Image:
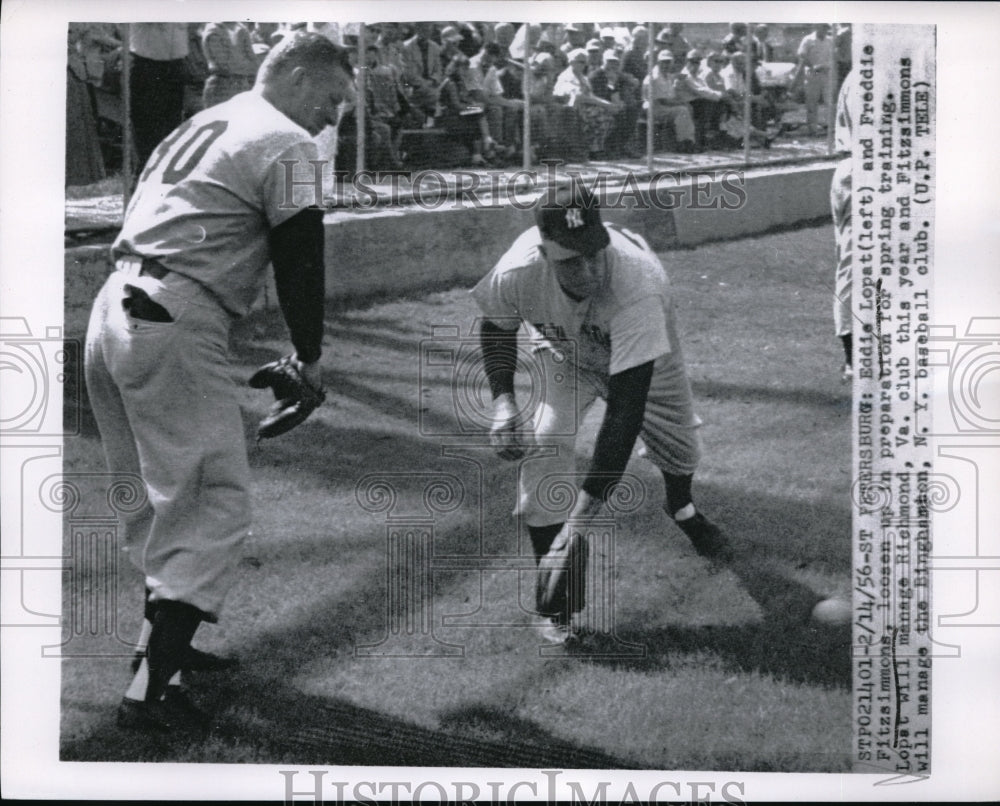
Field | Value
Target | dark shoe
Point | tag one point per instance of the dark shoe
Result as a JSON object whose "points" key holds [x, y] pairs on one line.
{"points": [[195, 661], [175, 712], [706, 537]]}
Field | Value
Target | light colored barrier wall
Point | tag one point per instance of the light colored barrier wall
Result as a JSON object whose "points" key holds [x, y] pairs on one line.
{"points": [[392, 252], [399, 251]]}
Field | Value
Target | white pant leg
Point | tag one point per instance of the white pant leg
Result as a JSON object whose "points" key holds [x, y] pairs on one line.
{"points": [[543, 497], [840, 202], [815, 92], [162, 392]]}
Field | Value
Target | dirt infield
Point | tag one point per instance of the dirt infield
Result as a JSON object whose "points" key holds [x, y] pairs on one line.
{"points": [[705, 668]]}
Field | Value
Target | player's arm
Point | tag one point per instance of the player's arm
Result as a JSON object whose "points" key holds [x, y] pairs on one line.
{"points": [[626, 407], [296, 246], [499, 350]]}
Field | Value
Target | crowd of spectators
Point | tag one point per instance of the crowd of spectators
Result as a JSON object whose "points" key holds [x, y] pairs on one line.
{"points": [[589, 88]]}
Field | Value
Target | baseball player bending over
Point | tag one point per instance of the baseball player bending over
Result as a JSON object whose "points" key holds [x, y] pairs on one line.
{"points": [[209, 213], [599, 297]]}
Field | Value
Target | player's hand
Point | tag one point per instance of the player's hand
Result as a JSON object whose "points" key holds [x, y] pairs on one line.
{"points": [[507, 429], [313, 372]]}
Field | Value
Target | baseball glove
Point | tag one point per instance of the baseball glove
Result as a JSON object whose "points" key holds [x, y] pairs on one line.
{"points": [[295, 397], [562, 575]]}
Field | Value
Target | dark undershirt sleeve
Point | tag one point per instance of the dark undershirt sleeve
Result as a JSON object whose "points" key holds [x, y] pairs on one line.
{"points": [[499, 349], [627, 391], [299, 274]]}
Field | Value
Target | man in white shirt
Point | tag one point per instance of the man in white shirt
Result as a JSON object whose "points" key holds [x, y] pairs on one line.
{"points": [[815, 63], [660, 88], [598, 308]]}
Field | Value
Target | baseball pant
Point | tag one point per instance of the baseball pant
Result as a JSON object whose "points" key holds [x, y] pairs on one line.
{"points": [[167, 410], [669, 431], [840, 202]]}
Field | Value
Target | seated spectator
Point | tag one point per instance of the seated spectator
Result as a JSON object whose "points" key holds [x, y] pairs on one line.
{"points": [[762, 108], [609, 42], [659, 88], [422, 70], [543, 106], [672, 40], [458, 112], [546, 44], [711, 72], [736, 41], [733, 124], [596, 114], [485, 83], [450, 39], [635, 59], [595, 55], [232, 63], [511, 75], [761, 45], [707, 104], [503, 35], [611, 84], [576, 38], [471, 42], [385, 102]]}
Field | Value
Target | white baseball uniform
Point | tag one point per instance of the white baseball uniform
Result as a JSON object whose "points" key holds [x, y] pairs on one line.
{"points": [[627, 322]]}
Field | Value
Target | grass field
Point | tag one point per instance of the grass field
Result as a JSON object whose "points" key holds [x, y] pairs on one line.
{"points": [[707, 668]]}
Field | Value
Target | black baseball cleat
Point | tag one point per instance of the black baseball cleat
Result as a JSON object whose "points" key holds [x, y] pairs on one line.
{"points": [[706, 537], [195, 660], [174, 712]]}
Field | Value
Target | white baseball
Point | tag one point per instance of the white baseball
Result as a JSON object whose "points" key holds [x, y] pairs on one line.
{"points": [[833, 612]]}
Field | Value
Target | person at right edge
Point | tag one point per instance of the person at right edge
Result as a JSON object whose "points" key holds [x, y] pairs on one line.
{"points": [[598, 306], [840, 202]]}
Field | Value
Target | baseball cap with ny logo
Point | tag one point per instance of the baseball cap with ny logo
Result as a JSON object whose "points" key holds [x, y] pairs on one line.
{"points": [[569, 221]]}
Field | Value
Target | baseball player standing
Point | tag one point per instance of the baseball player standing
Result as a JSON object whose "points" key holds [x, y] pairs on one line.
{"points": [[840, 202], [210, 212], [599, 296]]}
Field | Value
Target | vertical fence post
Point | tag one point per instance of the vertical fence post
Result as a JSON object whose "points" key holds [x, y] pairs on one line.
{"points": [[650, 63], [831, 90], [360, 101], [749, 73], [126, 116], [526, 94]]}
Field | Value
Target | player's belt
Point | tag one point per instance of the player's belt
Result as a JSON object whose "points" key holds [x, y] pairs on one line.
{"points": [[137, 266], [842, 155]]}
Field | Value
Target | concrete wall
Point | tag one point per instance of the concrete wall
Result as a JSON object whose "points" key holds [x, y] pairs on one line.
{"points": [[392, 252], [411, 249]]}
